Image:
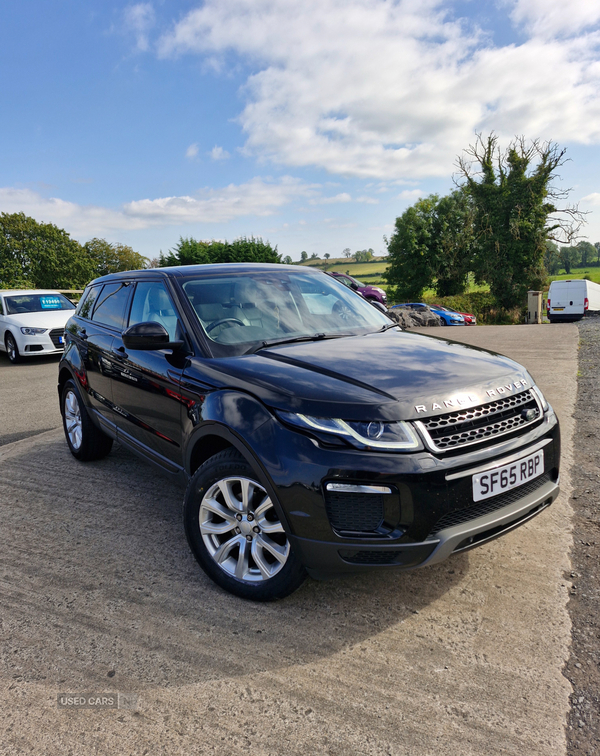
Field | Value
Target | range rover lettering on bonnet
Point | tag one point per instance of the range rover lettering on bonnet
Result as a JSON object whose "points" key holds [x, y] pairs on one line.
{"points": [[463, 400]]}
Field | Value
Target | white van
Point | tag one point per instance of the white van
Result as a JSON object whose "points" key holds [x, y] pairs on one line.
{"points": [[571, 299]]}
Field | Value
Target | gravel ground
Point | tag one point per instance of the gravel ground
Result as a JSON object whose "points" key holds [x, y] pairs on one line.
{"points": [[583, 667], [100, 594]]}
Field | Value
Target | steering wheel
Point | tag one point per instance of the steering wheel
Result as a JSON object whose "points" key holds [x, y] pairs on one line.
{"points": [[231, 321], [342, 310]]}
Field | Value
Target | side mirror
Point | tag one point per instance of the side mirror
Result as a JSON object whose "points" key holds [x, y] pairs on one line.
{"points": [[353, 285], [147, 336], [378, 305]]}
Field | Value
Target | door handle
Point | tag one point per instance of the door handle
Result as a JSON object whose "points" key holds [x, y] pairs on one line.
{"points": [[120, 353], [82, 334]]}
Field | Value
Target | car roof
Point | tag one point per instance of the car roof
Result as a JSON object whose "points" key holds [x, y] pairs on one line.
{"points": [[20, 292], [179, 271]]}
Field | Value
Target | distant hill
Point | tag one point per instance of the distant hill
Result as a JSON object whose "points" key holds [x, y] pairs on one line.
{"points": [[371, 272]]}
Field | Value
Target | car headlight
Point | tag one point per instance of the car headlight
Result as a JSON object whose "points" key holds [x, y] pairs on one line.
{"points": [[33, 331], [541, 397], [397, 436]]}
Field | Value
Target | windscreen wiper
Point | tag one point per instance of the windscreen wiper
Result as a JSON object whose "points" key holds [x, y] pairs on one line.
{"points": [[295, 340], [387, 327]]}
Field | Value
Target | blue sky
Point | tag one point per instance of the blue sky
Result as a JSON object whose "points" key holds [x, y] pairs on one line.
{"points": [[313, 124]]}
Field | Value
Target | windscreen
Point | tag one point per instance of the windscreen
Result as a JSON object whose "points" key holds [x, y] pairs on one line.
{"points": [[242, 310], [37, 303]]}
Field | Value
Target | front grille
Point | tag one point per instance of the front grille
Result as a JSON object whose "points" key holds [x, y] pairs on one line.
{"points": [[476, 424], [356, 512], [487, 506], [55, 335]]}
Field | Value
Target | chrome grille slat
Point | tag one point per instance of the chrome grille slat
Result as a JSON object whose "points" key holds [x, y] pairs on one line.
{"points": [[476, 424], [483, 410]]}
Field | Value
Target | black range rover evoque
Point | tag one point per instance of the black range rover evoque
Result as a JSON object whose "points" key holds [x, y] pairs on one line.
{"points": [[315, 436]]}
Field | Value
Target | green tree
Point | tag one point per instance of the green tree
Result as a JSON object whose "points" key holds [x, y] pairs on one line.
{"points": [[597, 248], [287, 260], [552, 258], [586, 252], [515, 213], [327, 255], [40, 255], [431, 247], [303, 256], [364, 255], [410, 269], [569, 257], [452, 243], [113, 258], [347, 252], [193, 252]]}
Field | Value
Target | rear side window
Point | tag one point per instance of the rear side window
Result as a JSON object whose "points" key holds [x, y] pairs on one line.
{"points": [[86, 303], [1, 308], [110, 305]]}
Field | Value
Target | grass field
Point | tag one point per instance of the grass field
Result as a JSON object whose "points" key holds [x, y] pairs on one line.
{"points": [[592, 272], [371, 273]]}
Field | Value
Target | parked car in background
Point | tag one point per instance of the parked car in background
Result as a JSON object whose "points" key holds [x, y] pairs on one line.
{"points": [[446, 318], [368, 291], [32, 322], [449, 317], [468, 317]]}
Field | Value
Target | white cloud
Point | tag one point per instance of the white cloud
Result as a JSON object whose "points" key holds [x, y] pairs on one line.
{"points": [[374, 88], [412, 195], [592, 199], [258, 198], [343, 197], [368, 200], [139, 19], [556, 18], [192, 151], [218, 153]]}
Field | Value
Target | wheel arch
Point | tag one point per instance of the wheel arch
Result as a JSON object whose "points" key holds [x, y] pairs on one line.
{"points": [[64, 374], [215, 437]]}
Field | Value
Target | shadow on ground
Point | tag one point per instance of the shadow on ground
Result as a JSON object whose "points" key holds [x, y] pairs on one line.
{"points": [[97, 579]]}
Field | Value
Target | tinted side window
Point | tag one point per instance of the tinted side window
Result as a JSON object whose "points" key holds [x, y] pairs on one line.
{"points": [[1, 308], [110, 305], [151, 302], [86, 303]]}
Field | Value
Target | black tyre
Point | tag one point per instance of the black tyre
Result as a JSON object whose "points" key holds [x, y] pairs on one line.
{"points": [[234, 532], [12, 350], [85, 441]]}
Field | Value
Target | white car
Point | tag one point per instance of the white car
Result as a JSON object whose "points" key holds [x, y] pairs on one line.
{"points": [[32, 322]]}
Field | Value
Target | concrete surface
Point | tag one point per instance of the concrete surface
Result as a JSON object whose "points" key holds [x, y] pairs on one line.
{"points": [[101, 596], [28, 398]]}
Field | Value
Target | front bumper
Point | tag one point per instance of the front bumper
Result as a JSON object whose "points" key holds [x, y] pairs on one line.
{"points": [[39, 344], [433, 514]]}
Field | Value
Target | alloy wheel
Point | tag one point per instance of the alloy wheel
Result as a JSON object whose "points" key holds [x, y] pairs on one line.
{"points": [[241, 530], [73, 422], [11, 348]]}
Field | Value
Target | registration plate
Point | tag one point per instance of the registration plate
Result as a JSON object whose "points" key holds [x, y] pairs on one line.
{"points": [[501, 479], [558, 309], [61, 339]]}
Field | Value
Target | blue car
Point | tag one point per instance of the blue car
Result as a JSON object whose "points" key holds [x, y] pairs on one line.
{"points": [[448, 318]]}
